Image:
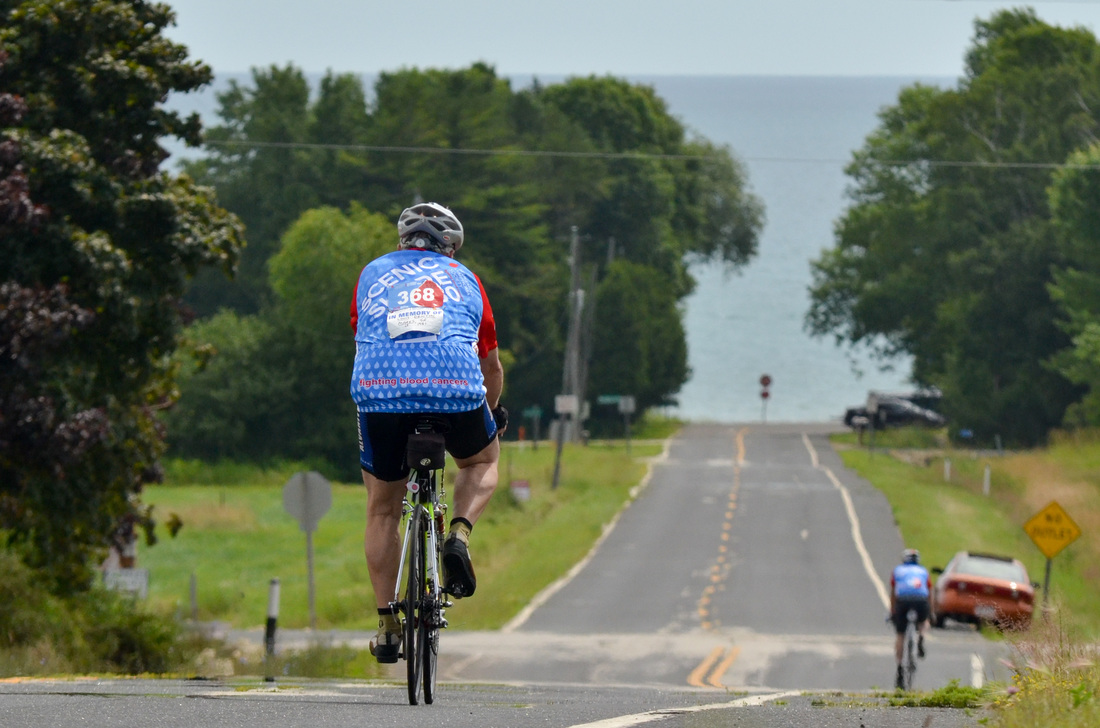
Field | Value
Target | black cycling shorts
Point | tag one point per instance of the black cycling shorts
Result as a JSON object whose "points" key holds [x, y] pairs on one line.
{"points": [[382, 438], [901, 612]]}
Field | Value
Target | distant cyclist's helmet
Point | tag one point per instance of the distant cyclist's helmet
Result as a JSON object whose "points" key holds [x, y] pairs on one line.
{"points": [[910, 556], [432, 221]]}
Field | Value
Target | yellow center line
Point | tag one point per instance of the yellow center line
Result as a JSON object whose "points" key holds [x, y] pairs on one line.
{"points": [[695, 679], [715, 678], [720, 569]]}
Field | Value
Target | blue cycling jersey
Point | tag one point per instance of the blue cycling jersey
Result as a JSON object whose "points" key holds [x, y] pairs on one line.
{"points": [[416, 335], [910, 581]]}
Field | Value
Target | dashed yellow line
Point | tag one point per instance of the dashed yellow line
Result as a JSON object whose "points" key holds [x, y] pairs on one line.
{"points": [[713, 668], [699, 673], [721, 567], [719, 672]]}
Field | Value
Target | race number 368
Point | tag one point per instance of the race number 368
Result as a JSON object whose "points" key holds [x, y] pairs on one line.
{"points": [[427, 294]]}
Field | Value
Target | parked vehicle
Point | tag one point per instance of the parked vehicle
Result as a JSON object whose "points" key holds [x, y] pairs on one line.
{"points": [[983, 588], [897, 409]]}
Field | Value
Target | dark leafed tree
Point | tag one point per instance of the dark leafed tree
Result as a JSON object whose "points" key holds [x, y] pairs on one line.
{"points": [[520, 169], [947, 250], [96, 245], [1075, 206]]}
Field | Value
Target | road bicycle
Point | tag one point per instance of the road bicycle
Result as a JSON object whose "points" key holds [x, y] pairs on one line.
{"points": [[424, 602], [909, 651]]}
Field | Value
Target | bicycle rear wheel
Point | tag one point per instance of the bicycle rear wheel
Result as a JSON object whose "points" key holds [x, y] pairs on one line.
{"points": [[414, 599], [429, 647], [909, 659]]}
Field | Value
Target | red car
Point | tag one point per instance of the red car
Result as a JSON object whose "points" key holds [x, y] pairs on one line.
{"points": [[979, 588]]}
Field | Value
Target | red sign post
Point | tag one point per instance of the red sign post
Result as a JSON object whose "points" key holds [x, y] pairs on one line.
{"points": [[765, 382]]}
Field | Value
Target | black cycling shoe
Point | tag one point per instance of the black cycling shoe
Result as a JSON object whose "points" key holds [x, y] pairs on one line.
{"points": [[899, 683], [386, 647], [458, 573], [920, 647]]}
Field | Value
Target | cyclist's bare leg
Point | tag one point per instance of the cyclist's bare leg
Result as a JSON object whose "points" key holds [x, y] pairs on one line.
{"points": [[899, 643], [475, 482], [382, 541]]}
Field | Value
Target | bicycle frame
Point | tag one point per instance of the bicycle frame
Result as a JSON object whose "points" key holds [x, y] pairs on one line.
{"points": [[423, 497], [419, 570]]}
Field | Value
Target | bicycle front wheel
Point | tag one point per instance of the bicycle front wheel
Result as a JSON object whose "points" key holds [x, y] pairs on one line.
{"points": [[414, 600]]}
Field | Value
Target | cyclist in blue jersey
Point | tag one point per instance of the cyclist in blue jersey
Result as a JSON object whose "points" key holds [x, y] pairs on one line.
{"points": [[425, 342], [909, 590]]}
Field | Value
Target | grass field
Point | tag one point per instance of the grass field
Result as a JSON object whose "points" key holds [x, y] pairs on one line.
{"points": [[941, 516], [236, 537], [1057, 664]]}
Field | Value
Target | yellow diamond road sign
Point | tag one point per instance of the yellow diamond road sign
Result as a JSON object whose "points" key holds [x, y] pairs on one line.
{"points": [[1052, 529]]}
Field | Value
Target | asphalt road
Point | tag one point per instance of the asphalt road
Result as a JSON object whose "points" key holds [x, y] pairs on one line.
{"points": [[751, 566], [751, 560]]}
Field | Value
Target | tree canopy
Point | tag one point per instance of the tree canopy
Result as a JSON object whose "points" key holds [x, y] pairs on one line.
{"points": [[274, 384], [1075, 206], [947, 249], [521, 169], [96, 246]]}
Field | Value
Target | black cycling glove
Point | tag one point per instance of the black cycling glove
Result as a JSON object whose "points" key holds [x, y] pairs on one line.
{"points": [[500, 416]]}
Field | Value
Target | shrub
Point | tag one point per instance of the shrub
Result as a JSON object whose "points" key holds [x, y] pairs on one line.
{"points": [[95, 631]]}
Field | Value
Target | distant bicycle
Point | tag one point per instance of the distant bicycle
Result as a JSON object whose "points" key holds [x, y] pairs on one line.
{"points": [[424, 603], [909, 652]]}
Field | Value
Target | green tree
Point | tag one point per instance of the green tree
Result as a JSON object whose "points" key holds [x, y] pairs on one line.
{"points": [[647, 355], [274, 385], [96, 245], [616, 165], [1075, 206], [262, 172], [946, 251], [675, 197]]}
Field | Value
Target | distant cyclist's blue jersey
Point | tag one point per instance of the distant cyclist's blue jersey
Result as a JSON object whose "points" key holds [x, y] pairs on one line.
{"points": [[910, 581], [417, 316]]}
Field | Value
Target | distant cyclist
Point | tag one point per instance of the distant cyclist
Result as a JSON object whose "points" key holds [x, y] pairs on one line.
{"points": [[425, 342], [909, 590]]}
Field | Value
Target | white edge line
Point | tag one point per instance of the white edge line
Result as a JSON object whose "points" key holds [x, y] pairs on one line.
{"points": [[977, 670], [653, 715], [857, 535], [543, 596]]}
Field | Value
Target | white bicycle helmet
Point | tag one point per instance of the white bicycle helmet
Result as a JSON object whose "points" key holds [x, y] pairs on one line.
{"points": [[436, 221], [910, 556]]}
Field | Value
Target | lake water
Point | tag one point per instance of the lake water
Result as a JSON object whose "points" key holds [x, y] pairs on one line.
{"points": [[795, 135]]}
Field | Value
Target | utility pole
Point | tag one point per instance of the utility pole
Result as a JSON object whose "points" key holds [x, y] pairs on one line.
{"points": [[571, 371]]}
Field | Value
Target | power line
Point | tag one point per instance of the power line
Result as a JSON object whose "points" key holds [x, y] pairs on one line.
{"points": [[452, 150], [635, 155]]}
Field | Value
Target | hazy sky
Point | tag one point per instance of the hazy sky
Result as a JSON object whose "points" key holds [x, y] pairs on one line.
{"points": [[581, 37]]}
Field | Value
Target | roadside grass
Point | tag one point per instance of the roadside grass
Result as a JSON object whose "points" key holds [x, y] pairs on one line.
{"points": [[940, 516], [951, 695], [1057, 662], [236, 537]]}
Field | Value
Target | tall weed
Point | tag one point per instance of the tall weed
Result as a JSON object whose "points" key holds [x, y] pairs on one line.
{"points": [[1056, 679]]}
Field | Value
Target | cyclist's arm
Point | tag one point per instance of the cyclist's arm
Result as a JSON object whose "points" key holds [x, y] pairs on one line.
{"points": [[354, 309], [493, 372], [491, 367]]}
